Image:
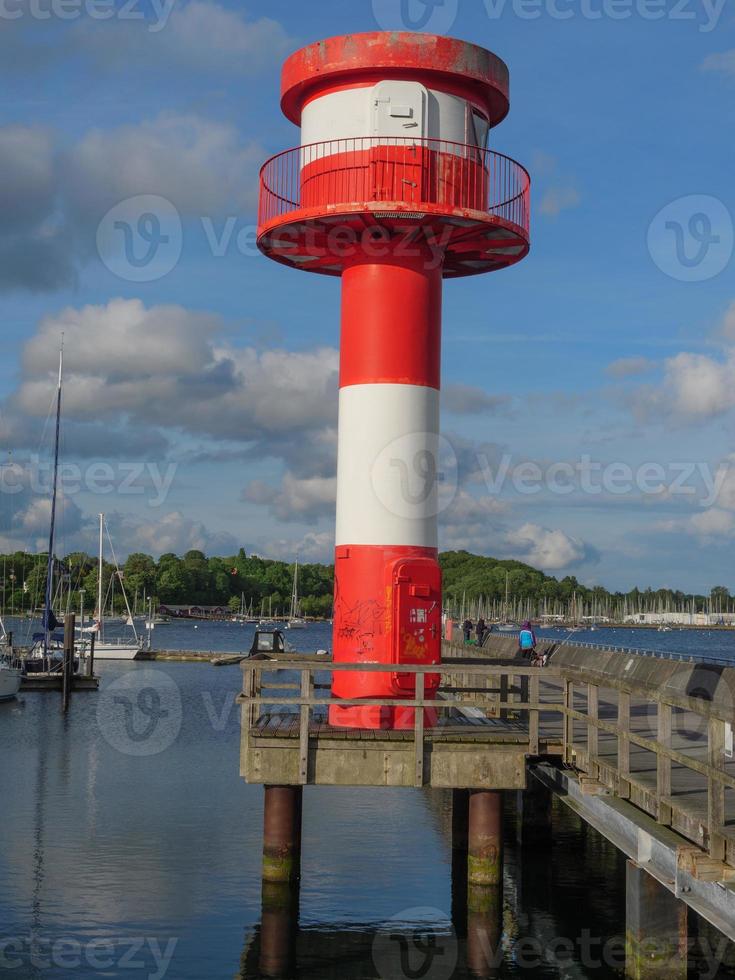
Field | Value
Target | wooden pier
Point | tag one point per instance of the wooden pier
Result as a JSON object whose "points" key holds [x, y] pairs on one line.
{"points": [[640, 747]]}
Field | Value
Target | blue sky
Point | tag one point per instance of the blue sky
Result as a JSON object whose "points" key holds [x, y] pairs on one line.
{"points": [[597, 378]]}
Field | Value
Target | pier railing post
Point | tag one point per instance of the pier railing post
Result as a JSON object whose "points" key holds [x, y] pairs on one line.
{"points": [[663, 763], [306, 691], [623, 745], [534, 716], [716, 789], [419, 730], [568, 720], [593, 713]]}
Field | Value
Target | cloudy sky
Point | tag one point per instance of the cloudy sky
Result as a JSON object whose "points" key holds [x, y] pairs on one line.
{"points": [[589, 392]]}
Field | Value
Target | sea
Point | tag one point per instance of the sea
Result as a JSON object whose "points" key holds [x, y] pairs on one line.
{"points": [[130, 847]]}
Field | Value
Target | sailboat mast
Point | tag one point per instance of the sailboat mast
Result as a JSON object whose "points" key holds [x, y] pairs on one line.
{"points": [[100, 612], [47, 614]]}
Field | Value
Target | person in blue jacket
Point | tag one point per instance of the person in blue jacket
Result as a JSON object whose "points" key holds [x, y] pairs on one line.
{"points": [[527, 641]]}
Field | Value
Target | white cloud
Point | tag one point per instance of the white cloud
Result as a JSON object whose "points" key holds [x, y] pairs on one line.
{"points": [[723, 61], [545, 548], [314, 546], [199, 37], [628, 367], [695, 387], [295, 499], [461, 399], [712, 523], [164, 366], [558, 199], [174, 532], [202, 166]]}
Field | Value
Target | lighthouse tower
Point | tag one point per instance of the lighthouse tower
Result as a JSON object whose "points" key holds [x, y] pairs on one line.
{"points": [[393, 189]]}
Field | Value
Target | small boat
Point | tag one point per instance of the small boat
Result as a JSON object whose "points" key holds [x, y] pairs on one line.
{"points": [[115, 649], [10, 678], [508, 628], [152, 622]]}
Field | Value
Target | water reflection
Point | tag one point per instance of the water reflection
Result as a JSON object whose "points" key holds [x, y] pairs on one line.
{"points": [[158, 859], [562, 915]]}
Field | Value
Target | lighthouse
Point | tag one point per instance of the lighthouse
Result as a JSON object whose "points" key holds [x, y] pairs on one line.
{"points": [[393, 188]]}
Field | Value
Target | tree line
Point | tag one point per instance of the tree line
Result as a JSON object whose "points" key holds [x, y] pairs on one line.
{"points": [[195, 579]]}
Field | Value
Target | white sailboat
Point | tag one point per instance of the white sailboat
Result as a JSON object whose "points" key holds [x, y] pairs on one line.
{"points": [[295, 621], [10, 676], [111, 649]]}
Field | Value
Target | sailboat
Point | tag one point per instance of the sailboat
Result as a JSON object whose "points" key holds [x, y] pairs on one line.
{"points": [[46, 653], [506, 626], [295, 621], [107, 649], [10, 674]]}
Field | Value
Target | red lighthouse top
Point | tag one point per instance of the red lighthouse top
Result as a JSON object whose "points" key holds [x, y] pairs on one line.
{"points": [[394, 133], [470, 71]]}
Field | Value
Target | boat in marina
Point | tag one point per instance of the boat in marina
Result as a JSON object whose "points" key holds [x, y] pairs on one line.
{"points": [[119, 648], [10, 679], [295, 621]]}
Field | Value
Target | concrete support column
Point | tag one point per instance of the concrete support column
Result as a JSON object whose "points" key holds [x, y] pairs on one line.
{"points": [[533, 814], [282, 833], [656, 933], [485, 838]]}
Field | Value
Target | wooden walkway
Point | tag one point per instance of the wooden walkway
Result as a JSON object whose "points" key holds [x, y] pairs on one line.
{"points": [[656, 733]]}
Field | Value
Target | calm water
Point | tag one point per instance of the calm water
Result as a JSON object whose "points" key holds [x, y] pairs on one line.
{"points": [[130, 847]]}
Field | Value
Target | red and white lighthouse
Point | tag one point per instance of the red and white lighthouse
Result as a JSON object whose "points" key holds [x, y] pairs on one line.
{"points": [[393, 188]]}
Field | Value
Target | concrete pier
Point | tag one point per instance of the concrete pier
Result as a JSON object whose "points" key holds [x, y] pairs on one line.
{"points": [[656, 938], [282, 834]]}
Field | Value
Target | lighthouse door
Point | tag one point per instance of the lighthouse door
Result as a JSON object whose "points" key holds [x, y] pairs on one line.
{"points": [[399, 109], [398, 159], [416, 586]]}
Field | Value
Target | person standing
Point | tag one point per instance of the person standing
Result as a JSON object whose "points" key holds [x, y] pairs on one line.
{"points": [[527, 641], [481, 630], [467, 629]]}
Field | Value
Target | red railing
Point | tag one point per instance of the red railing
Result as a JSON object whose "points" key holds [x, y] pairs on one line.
{"points": [[431, 175]]}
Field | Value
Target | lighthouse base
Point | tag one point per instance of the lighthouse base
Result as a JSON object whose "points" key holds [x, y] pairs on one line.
{"points": [[387, 718]]}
